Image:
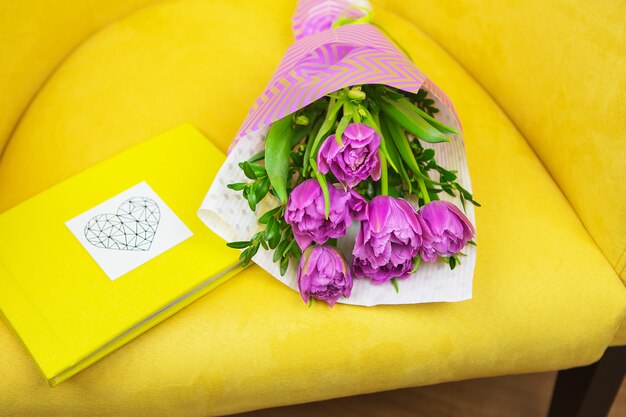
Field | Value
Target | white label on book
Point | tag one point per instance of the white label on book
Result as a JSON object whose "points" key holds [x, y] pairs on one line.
{"points": [[128, 230]]}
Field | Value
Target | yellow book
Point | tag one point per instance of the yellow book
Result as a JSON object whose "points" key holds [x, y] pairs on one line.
{"points": [[98, 259]]}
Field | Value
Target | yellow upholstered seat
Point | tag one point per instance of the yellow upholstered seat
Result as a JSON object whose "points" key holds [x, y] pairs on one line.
{"points": [[545, 296], [559, 72]]}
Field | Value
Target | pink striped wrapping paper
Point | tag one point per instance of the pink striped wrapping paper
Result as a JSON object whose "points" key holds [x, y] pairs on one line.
{"points": [[312, 67], [328, 61]]}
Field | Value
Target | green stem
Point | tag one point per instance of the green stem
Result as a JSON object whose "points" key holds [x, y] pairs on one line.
{"points": [[288, 247], [423, 190], [384, 188], [355, 115], [321, 179], [426, 178], [327, 124], [309, 144]]}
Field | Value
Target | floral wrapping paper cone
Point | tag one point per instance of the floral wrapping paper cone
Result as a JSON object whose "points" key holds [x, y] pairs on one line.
{"points": [[337, 47]]}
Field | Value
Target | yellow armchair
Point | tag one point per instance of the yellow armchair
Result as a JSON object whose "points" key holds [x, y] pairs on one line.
{"points": [[539, 88]]}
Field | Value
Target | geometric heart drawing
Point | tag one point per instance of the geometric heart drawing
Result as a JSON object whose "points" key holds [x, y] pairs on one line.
{"points": [[132, 228]]}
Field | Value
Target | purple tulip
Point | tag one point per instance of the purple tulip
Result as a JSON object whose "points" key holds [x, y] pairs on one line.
{"points": [[306, 212], [388, 240], [446, 230], [324, 274], [356, 160]]}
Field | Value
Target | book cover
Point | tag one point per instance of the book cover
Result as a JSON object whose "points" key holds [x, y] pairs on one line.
{"points": [[98, 259]]}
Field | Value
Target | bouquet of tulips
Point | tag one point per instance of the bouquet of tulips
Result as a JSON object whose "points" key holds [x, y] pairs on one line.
{"points": [[355, 155], [359, 157]]}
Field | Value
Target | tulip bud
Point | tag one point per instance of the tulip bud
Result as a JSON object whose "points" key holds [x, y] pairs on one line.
{"points": [[302, 120], [305, 212], [388, 240], [324, 274], [355, 93], [446, 230], [356, 159]]}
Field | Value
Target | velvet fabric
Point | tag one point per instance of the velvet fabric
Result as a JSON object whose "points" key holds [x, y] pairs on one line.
{"points": [[558, 70]]}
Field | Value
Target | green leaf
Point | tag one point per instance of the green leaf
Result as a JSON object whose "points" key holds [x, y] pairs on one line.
{"points": [[252, 197], [258, 170], [265, 217], [402, 143], [392, 152], [247, 170], [275, 239], [246, 255], [416, 264], [295, 251], [395, 192], [393, 93], [426, 155], [443, 128], [299, 133], [277, 148], [238, 186], [310, 303], [253, 250], [269, 229], [453, 261], [412, 122], [446, 176], [394, 282], [284, 264], [287, 249], [239, 245], [467, 195], [262, 189], [278, 253]]}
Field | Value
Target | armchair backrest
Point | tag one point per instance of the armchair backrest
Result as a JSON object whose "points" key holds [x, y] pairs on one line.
{"points": [[35, 36], [558, 70]]}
